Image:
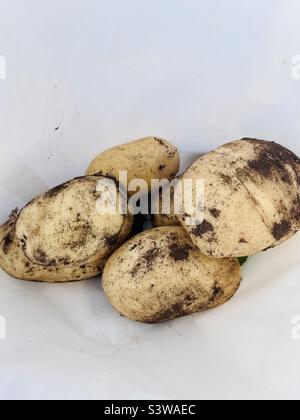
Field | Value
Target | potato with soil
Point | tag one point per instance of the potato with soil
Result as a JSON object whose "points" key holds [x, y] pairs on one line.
{"points": [[61, 236], [160, 275], [147, 159], [252, 198]]}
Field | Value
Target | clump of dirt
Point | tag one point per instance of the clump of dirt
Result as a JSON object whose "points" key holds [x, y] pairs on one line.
{"points": [[280, 230], [179, 253], [203, 229]]}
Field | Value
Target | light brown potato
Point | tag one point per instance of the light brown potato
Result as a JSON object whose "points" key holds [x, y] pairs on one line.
{"points": [[159, 275], [147, 159], [251, 198], [60, 236]]}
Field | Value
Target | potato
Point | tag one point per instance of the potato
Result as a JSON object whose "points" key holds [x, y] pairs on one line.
{"points": [[160, 275], [251, 198], [60, 236], [147, 159]]}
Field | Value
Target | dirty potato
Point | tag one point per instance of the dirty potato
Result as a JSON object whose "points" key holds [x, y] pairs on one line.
{"points": [[146, 159], [251, 198], [160, 275], [61, 236]]}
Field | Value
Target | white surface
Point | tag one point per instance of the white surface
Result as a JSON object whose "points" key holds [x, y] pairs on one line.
{"points": [[199, 73]]}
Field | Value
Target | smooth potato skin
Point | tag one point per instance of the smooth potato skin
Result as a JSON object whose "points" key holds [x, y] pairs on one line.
{"points": [[147, 159], [251, 198], [159, 275], [19, 236]]}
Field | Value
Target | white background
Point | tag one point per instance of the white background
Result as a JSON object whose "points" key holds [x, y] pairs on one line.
{"points": [[199, 73]]}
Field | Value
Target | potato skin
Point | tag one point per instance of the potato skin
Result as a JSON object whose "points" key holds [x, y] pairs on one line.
{"points": [[251, 200], [147, 159], [60, 237], [160, 275]]}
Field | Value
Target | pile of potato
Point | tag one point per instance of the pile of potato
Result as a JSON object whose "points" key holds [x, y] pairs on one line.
{"points": [[252, 203]]}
